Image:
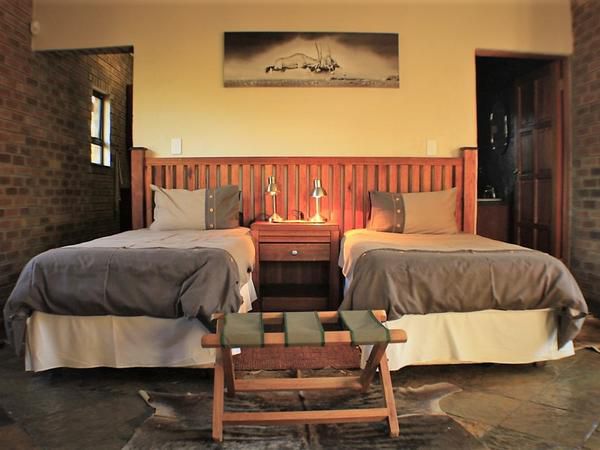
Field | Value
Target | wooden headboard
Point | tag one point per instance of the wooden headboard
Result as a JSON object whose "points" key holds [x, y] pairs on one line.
{"points": [[347, 181]]}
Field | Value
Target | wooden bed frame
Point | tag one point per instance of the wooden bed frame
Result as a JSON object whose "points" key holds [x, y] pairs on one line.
{"points": [[347, 181]]}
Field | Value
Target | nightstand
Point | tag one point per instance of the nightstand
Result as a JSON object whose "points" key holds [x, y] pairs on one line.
{"points": [[296, 266]]}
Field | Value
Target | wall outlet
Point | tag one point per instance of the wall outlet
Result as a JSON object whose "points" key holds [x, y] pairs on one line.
{"points": [[431, 147], [176, 147]]}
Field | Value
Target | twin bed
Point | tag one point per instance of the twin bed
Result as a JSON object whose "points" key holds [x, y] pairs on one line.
{"points": [[136, 340], [461, 298]]}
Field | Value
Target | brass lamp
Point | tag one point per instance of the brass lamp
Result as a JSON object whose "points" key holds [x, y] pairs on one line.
{"points": [[273, 190], [317, 193]]}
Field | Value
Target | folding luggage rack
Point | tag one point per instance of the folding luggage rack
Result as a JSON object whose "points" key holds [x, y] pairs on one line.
{"points": [[301, 329]]}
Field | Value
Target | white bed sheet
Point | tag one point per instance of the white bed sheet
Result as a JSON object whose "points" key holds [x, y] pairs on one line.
{"points": [[120, 342]]}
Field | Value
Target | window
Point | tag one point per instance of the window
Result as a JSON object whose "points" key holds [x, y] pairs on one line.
{"points": [[100, 130]]}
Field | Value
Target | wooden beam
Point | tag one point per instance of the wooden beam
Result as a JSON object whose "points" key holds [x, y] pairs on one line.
{"points": [[377, 352], [469, 189], [227, 363], [278, 339], [292, 417], [218, 398], [388, 395], [138, 156], [276, 318], [489, 53], [297, 384], [307, 160]]}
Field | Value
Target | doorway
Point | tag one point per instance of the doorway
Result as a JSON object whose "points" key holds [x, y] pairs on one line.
{"points": [[521, 139]]}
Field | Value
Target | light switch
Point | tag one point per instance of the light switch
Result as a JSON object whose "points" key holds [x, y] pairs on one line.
{"points": [[176, 147], [431, 147]]}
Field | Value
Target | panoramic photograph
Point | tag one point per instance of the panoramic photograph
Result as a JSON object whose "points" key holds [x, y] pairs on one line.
{"points": [[311, 59]]}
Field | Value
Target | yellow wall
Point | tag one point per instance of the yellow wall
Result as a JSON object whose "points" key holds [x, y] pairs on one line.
{"points": [[178, 84]]}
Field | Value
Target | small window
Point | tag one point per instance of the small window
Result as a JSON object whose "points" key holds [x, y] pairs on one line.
{"points": [[100, 130]]}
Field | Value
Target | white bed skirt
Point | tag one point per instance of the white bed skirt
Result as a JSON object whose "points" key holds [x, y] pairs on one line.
{"points": [[112, 341], [507, 337]]}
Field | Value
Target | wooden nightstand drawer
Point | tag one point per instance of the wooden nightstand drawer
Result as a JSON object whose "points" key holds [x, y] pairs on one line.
{"points": [[294, 252], [286, 236]]}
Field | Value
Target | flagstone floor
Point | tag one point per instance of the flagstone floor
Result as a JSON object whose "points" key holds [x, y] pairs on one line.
{"points": [[504, 407]]}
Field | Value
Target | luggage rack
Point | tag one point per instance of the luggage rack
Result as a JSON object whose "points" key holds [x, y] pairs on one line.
{"points": [[301, 328]]}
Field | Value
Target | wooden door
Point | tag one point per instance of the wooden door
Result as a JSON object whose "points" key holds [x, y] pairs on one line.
{"points": [[538, 203]]}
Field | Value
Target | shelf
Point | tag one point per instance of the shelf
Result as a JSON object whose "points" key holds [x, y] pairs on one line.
{"points": [[294, 304], [294, 297], [294, 290]]}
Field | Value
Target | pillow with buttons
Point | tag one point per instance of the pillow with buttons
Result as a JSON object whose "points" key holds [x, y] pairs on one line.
{"points": [[201, 209], [417, 212]]}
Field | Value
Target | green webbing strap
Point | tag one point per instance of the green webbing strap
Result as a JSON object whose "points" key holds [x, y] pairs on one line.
{"points": [[364, 327], [243, 330], [303, 328]]}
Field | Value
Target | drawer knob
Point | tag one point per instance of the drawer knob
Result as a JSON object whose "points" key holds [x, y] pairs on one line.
{"points": [[294, 252]]}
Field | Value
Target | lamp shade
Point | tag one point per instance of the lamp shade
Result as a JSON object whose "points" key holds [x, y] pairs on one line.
{"points": [[318, 191], [272, 188]]}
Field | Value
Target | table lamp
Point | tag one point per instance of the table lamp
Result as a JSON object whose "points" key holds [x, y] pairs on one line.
{"points": [[317, 193], [273, 190]]}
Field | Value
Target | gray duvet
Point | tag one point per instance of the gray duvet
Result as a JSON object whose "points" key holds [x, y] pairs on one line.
{"points": [[459, 274], [157, 282]]}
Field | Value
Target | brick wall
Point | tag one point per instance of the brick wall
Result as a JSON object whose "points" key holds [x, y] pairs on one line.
{"points": [[50, 194], [585, 226]]}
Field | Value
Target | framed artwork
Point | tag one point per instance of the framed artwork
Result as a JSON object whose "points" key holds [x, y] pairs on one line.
{"points": [[298, 59]]}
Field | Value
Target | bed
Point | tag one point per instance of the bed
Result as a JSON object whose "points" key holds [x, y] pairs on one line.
{"points": [[153, 307], [139, 298], [460, 297]]}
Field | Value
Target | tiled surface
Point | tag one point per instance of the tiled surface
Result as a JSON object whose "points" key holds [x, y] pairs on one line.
{"points": [[482, 407], [593, 442], [5, 418], [15, 438], [499, 407], [552, 424]]}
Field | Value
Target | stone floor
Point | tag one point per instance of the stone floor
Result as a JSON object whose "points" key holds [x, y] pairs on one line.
{"points": [[504, 407]]}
